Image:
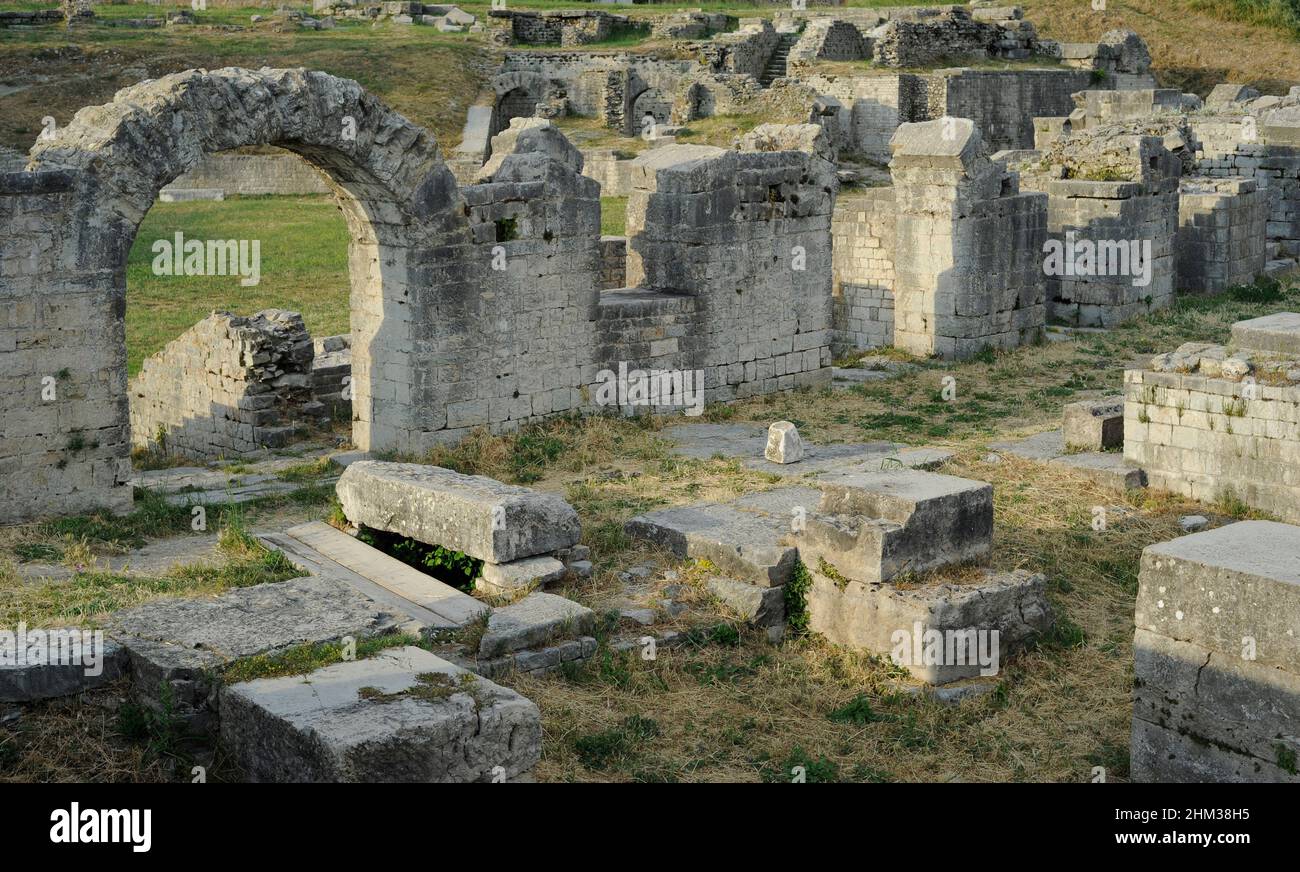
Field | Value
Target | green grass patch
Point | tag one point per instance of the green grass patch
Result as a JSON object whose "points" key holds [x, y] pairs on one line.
{"points": [[302, 659]]}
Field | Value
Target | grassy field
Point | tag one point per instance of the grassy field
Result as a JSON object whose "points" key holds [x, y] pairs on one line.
{"points": [[304, 243]]}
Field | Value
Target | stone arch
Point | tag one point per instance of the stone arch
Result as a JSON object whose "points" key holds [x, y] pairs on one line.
{"points": [[517, 94], [387, 175]]}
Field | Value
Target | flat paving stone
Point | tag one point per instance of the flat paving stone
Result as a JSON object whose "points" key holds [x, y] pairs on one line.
{"points": [[154, 559], [747, 442], [1107, 468], [745, 545], [404, 715]]}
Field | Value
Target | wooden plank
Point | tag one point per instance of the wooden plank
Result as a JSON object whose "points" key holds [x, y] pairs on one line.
{"points": [[405, 581], [310, 560]]}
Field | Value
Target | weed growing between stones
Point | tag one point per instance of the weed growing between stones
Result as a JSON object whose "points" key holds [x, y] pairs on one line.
{"points": [[445, 564]]}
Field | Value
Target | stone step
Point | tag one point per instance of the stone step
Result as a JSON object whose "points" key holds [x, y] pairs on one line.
{"points": [[404, 715], [1106, 468], [388, 572]]}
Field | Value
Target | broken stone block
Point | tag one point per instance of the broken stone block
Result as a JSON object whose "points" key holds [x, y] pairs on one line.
{"points": [[940, 632], [783, 443], [760, 606], [535, 620], [1217, 687], [871, 526], [1094, 425], [42, 664], [501, 578], [479, 516], [402, 716]]}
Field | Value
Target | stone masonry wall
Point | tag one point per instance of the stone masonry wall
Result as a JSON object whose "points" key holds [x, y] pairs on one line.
{"points": [[64, 440], [1221, 241], [1277, 169], [748, 235], [1214, 422], [862, 230], [1216, 689], [227, 387], [253, 174], [967, 249], [471, 306]]}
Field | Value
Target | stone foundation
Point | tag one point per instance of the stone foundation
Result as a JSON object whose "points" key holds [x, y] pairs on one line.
{"points": [[1221, 233]]}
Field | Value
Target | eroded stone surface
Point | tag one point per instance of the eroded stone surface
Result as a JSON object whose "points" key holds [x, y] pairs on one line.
{"points": [[534, 621], [404, 715]]}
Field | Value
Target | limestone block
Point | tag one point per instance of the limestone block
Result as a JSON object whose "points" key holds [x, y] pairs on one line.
{"points": [[402, 716], [28, 671], [1279, 332], [883, 619], [1094, 425], [871, 526], [1217, 587], [482, 517], [760, 606], [535, 620], [783, 443], [501, 578]]}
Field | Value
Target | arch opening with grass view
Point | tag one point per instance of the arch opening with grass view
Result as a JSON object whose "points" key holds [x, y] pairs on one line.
{"points": [[88, 189], [237, 313]]}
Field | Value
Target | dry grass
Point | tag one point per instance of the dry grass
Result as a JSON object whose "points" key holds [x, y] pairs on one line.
{"points": [[1192, 46]]}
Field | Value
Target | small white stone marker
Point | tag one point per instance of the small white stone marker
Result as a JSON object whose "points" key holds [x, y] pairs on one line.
{"points": [[783, 443]]}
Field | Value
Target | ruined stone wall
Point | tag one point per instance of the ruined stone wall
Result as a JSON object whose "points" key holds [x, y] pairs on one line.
{"points": [[254, 174], [748, 234], [641, 330], [470, 306], [64, 443], [950, 34], [611, 168], [1277, 169], [968, 243], [745, 51], [873, 107], [1109, 214], [613, 262], [1207, 422], [561, 27], [862, 230], [1003, 104], [331, 375], [1216, 689], [1221, 233], [827, 39], [227, 387]]}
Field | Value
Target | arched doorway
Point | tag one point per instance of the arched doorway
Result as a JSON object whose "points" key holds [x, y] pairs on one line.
{"points": [[112, 160]]}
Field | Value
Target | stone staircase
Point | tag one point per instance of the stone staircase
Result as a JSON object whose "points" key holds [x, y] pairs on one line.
{"points": [[776, 64]]}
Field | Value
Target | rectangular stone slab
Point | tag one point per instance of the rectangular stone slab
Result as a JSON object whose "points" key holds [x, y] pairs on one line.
{"points": [[476, 515], [535, 620], [1279, 332], [1216, 587], [407, 582], [405, 715]]}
